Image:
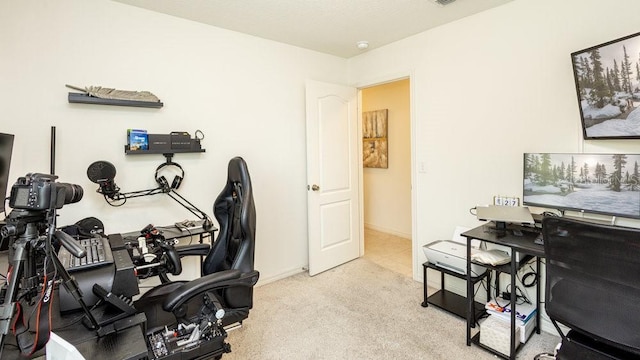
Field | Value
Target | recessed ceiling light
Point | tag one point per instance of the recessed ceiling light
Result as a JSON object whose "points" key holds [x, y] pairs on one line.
{"points": [[443, 2], [362, 45]]}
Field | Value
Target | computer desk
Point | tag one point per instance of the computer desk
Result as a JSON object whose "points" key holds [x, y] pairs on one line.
{"points": [[519, 244], [174, 232], [128, 344]]}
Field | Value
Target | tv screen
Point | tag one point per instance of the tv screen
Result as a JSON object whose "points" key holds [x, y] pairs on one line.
{"points": [[594, 183], [6, 147], [607, 78]]}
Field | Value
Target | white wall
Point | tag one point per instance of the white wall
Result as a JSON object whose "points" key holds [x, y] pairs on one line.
{"points": [[387, 192], [244, 93], [486, 89]]}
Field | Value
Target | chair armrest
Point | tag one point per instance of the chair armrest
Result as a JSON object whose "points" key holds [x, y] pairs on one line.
{"points": [[193, 250], [209, 282]]}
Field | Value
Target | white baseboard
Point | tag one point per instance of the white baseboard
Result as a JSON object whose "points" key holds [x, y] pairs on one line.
{"points": [[388, 231], [282, 275]]}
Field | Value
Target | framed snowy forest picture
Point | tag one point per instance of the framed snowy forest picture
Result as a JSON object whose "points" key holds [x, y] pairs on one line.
{"points": [[607, 78]]}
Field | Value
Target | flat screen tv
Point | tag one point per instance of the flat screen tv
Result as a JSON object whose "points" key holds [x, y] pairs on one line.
{"points": [[592, 183], [607, 78], [6, 147]]}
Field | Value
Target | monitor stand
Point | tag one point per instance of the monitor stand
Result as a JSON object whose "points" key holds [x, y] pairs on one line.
{"points": [[499, 228]]}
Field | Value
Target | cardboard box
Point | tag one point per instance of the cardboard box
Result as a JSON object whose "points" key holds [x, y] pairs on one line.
{"points": [[525, 316], [496, 334], [525, 328], [159, 142]]}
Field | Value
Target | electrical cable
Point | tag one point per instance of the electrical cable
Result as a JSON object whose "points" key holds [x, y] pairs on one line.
{"points": [[113, 203], [532, 282], [519, 294], [551, 214], [181, 226], [487, 286], [71, 322], [75, 320]]}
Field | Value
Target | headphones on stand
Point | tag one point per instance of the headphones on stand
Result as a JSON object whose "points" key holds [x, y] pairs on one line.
{"points": [[163, 182]]}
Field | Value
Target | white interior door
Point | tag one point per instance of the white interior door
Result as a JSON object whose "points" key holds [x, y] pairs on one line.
{"points": [[332, 175]]}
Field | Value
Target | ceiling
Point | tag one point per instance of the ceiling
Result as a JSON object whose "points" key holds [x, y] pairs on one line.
{"points": [[328, 26]]}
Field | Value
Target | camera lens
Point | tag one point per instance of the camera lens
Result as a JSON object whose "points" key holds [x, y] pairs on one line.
{"points": [[72, 193]]}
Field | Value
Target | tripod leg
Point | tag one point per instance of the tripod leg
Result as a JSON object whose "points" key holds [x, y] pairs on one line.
{"points": [[72, 287], [8, 307]]}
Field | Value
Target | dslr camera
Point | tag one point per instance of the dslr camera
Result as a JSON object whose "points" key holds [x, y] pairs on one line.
{"points": [[41, 192]]}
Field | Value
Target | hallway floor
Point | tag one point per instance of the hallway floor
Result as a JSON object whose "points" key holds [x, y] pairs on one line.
{"points": [[389, 251]]}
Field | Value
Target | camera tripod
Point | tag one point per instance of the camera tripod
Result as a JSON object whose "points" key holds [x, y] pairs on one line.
{"points": [[33, 268]]}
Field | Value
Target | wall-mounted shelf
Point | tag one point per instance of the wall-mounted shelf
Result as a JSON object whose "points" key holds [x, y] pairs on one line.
{"points": [[86, 99], [171, 151], [168, 153]]}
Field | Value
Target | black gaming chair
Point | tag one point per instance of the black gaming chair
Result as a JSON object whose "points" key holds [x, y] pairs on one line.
{"points": [[228, 273], [593, 288]]}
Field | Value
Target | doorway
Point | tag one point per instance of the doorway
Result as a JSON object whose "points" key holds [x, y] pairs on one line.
{"points": [[387, 210]]}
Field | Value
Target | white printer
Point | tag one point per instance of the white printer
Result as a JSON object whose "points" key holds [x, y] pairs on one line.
{"points": [[452, 254]]}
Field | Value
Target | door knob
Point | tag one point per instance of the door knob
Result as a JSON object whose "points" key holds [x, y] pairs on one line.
{"points": [[315, 187]]}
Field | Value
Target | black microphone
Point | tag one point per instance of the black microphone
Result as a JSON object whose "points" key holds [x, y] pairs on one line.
{"points": [[103, 173], [108, 188]]}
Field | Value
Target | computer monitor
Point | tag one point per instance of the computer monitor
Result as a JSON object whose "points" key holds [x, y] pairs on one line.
{"points": [[606, 184], [6, 148]]}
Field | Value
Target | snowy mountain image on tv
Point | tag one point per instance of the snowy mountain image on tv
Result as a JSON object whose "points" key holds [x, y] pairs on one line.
{"points": [[594, 183], [607, 80]]}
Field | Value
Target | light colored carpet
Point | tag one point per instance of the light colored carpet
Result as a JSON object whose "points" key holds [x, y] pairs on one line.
{"points": [[356, 311]]}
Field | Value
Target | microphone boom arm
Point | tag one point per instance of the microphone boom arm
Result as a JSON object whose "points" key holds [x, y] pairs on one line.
{"points": [[118, 196], [124, 196], [192, 208], [103, 174], [112, 197]]}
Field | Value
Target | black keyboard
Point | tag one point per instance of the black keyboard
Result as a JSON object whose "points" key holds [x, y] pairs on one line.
{"points": [[98, 254]]}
